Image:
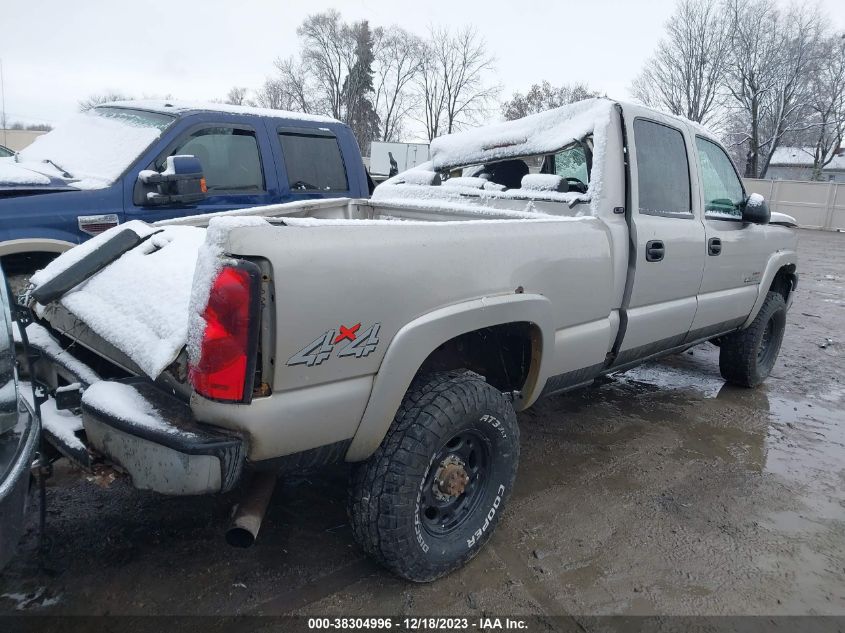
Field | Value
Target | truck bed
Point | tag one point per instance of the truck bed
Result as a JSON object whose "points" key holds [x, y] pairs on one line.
{"points": [[139, 305]]}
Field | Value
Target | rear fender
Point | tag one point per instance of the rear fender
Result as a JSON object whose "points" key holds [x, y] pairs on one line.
{"points": [[416, 340]]}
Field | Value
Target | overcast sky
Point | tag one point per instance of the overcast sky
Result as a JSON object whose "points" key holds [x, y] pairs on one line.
{"points": [[55, 52]]}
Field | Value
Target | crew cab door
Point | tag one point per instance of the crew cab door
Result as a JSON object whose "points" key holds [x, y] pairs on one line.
{"points": [[736, 251], [238, 167], [311, 163], [667, 238]]}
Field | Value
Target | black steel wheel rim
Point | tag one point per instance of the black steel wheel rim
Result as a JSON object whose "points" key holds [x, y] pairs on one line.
{"points": [[441, 513]]}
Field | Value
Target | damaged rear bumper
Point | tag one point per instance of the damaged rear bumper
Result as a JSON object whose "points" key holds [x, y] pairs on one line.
{"points": [[157, 440]]}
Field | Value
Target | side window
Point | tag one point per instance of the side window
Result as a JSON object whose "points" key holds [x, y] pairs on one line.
{"points": [[723, 192], [229, 157], [313, 161], [662, 170], [572, 163]]}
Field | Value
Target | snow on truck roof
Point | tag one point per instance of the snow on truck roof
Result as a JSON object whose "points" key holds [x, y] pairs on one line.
{"points": [[542, 133], [187, 107]]}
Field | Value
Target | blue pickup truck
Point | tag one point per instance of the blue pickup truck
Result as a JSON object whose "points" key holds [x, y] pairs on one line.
{"points": [[155, 160]]}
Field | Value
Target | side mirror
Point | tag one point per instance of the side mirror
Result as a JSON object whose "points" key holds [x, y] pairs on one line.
{"points": [[180, 182], [755, 209]]}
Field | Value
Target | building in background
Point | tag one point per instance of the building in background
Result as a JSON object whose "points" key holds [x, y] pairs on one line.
{"points": [[389, 159], [796, 163], [16, 140]]}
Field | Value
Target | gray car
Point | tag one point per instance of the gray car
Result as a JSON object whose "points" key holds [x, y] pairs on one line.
{"points": [[19, 432]]}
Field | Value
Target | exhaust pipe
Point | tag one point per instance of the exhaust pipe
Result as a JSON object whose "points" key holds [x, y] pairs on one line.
{"points": [[249, 513]]}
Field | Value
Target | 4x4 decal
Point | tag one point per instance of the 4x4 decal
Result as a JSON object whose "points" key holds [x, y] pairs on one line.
{"points": [[347, 341]]}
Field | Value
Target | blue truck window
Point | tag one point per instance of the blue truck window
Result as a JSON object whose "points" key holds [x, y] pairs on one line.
{"points": [[313, 162], [229, 157]]}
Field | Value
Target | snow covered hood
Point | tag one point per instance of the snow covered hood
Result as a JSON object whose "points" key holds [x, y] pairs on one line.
{"points": [[14, 174], [542, 133], [94, 148]]}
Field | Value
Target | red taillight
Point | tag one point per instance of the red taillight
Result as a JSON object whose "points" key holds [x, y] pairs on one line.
{"points": [[221, 373]]}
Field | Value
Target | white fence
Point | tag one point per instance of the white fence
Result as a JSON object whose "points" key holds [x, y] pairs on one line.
{"points": [[815, 205]]}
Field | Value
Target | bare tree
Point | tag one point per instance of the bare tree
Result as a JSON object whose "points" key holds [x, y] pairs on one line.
{"points": [[453, 87], [544, 96], [827, 103], [685, 75], [291, 89], [328, 52], [768, 73], [101, 98], [398, 62], [236, 96], [431, 92]]}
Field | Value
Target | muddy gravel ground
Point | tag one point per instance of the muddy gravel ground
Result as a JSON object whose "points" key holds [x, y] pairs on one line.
{"points": [[660, 491]]}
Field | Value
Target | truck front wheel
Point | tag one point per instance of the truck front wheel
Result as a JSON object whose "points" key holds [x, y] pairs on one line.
{"points": [[431, 495], [746, 358]]}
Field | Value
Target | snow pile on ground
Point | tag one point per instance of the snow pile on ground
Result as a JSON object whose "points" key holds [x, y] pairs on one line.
{"points": [[14, 174], [94, 149], [125, 402]]}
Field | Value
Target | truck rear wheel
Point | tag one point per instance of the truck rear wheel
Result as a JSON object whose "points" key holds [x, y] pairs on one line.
{"points": [[431, 495], [746, 358]]}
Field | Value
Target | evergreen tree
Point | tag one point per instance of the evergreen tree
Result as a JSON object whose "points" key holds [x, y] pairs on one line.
{"points": [[358, 90]]}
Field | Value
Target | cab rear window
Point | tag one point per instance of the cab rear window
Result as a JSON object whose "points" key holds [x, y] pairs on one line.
{"points": [[313, 161]]}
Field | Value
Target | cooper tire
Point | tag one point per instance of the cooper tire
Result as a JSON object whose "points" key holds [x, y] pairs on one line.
{"points": [[746, 358], [431, 495]]}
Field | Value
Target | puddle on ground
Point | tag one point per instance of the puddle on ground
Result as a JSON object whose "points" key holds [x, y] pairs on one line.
{"points": [[797, 439]]}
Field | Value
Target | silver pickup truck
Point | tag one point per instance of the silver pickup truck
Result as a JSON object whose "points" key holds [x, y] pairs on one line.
{"points": [[403, 333]]}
